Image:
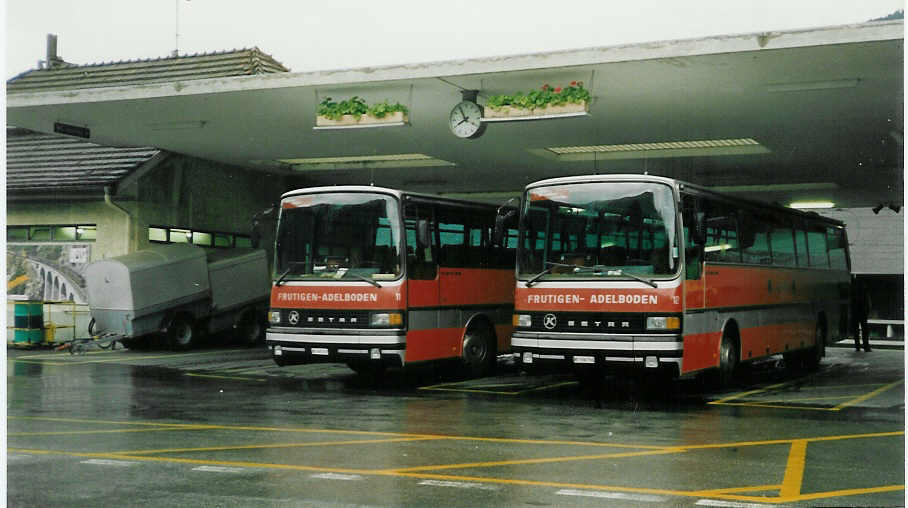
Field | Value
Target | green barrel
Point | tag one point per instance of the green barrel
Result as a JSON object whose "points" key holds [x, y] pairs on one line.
{"points": [[28, 323]]}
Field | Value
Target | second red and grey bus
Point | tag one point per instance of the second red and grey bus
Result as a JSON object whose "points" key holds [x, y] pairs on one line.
{"points": [[653, 273]]}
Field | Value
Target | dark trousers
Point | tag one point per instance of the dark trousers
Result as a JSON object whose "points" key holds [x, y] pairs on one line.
{"points": [[862, 335]]}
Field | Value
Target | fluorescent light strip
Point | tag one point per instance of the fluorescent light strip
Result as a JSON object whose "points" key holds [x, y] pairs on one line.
{"points": [[812, 85], [403, 160], [812, 204], [359, 158], [779, 187], [667, 145], [656, 150]]}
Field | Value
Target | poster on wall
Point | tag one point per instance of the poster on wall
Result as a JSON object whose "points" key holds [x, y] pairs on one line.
{"points": [[47, 272]]}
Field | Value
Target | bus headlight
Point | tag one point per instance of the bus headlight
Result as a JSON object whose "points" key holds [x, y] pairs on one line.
{"points": [[274, 317], [387, 319], [663, 323], [523, 320]]}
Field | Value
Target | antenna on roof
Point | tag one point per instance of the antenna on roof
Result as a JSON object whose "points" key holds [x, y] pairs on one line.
{"points": [[176, 7]]}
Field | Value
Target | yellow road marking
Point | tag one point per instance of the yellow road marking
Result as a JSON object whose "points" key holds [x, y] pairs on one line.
{"points": [[776, 406], [535, 461], [753, 488], [109, 360], [225, 377], [792, 479], [868, 395], [446, 388], [794, 470], [751, 392], [806, 399], [79, 432], [274, 445]]}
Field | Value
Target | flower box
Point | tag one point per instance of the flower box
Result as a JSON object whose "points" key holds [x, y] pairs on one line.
{"points": [[361, 120], [548, 110]]}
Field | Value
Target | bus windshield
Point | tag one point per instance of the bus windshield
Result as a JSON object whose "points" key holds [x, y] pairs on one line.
{"points": [[598, 230], [338, 235]]}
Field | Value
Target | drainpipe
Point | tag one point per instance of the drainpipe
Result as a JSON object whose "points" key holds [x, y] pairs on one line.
{"points": [[109, 202]]}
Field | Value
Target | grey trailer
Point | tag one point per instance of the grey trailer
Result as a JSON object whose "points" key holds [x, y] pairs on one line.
{"points": [[181, 291]]}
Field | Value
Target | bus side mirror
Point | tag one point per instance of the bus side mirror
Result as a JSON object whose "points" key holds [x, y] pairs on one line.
{"points": [[422, 234], [699, 228], [501, 227], [502, 218]]}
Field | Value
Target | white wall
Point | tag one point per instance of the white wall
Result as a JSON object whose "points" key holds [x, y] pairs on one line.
{"points": [[876, 240]]}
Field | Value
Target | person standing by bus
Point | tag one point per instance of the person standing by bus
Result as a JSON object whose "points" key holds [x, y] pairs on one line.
{"points": [[860, 308]]}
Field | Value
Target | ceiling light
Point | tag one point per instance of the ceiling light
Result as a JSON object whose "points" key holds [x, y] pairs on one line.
{"points": [[812, 85], [812, 204], [365, 162], [177, 126], [706, 147]]}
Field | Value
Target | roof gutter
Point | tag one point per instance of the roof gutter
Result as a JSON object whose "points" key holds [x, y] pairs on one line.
{"points": [[108, 200]]}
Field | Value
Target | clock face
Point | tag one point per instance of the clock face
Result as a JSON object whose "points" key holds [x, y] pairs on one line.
{"points": [[465, 120]]}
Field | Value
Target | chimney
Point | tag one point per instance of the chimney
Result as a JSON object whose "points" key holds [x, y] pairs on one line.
{"points": [[52, 59]]}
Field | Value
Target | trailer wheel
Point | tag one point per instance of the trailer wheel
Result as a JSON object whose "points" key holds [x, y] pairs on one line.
{"points": [[181, 334], [479, 355]]}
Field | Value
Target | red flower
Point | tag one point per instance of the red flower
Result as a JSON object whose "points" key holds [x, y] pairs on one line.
{"points": [[558, 90], [545, 87], [573, 83]]}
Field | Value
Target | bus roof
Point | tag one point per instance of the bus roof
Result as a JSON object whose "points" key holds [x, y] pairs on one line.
{"points": [[683, 185], [399, 194]]}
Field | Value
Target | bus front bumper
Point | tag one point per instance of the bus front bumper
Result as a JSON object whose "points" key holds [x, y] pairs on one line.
{"points": [[640, 350], [320, 346]]}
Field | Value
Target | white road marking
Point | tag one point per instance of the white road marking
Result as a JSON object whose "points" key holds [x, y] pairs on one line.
{"points": [[730, 504], [337, 476], [459, 485], [108, 462], [611, 495], [219, 469]]}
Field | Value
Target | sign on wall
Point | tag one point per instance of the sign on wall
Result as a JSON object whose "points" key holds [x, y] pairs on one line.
{"points": [[47, 271]]}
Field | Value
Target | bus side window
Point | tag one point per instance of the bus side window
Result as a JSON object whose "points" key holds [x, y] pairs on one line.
{"points": [[835, 241], [421, 260], [754, 239], [693, 253]]}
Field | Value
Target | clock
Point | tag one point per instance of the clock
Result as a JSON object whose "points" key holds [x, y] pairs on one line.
{"points": [[465, 120]]}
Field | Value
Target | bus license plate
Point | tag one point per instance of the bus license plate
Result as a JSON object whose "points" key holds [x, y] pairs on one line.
{"points": [[320, 351], [584, 359]]}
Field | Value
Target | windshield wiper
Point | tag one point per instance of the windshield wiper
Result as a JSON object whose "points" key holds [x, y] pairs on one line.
{"points": [[362, 277], [539, 275], [290, 268]]}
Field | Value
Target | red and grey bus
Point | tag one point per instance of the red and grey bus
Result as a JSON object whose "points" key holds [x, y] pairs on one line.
{"points": [[653, 273], [376, 277]]}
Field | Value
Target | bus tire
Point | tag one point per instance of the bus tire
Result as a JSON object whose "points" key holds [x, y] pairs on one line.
{"points": [[181, 334], [728, 360], [818, 351], [478, 357]]}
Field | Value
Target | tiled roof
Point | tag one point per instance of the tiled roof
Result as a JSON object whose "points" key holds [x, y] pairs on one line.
{"points": [[68, 76], [50, 163]]}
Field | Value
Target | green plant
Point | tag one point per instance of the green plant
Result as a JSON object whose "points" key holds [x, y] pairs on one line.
{"points": [[357, 107], [571, 94]]}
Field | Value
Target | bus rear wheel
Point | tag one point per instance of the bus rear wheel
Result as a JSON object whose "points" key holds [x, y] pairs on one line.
{"points": [[728, 361], [818, 351], [479, 355]]}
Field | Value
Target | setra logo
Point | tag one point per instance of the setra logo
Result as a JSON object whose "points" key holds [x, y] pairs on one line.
{"points": [[294, 317], [549, 321]]}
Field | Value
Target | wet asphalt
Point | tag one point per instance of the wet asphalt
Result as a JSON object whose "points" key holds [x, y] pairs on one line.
{"points": [[224, 426]]}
